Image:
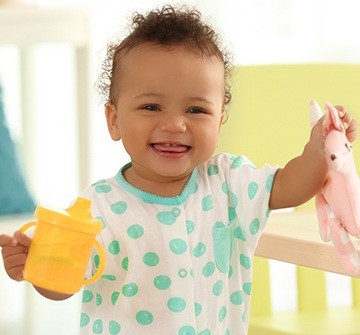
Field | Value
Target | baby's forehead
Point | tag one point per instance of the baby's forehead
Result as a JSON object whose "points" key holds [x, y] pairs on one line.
{"points": [[151, 64], [152, 55], [167, 49]]}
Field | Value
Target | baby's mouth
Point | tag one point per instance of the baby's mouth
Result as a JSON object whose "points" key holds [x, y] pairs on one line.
{"points": [[170, 148]]}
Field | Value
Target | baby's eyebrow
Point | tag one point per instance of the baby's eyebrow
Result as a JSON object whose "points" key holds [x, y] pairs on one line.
{"points": [[159, 95], [202, 100], [148, 95]]}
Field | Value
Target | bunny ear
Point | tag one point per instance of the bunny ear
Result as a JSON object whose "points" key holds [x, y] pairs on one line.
{"points": [[332, 119], [315, 112]]}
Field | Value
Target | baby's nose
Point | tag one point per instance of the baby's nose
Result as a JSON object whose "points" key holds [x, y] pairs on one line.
{"points": [[174, 123]]}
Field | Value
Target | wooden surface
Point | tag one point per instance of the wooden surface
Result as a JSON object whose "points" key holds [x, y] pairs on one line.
{"points": [[294, 238]]}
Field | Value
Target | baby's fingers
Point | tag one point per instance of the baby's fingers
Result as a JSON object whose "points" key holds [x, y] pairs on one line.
{"points": [[14, 266], [6, 240], [22, 239], [351, 131], [14, 252], [348, 122]]}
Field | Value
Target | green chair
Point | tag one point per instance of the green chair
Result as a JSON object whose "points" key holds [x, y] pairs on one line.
{"points": [[269, 123]]}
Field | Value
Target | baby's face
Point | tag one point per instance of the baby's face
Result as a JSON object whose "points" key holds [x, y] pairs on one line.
{"points": [[169, 110]]}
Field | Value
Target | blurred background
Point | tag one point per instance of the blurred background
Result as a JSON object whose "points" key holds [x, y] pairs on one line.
{"points": [[258, 32], [50, 57]]}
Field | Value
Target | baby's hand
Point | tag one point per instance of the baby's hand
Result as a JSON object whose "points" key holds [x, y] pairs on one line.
{"points": [[348, 122], [316, 143], [14, 253]]}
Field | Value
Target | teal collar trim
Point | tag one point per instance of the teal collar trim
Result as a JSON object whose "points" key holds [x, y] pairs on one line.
{"points": [[150, 198]]}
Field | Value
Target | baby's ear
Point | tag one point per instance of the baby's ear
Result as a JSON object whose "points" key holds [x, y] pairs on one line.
{"points": [[332, 119], [112, 121]]}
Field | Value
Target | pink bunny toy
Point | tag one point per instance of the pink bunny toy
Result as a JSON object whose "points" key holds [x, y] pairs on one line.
{"points": [[338, 204]]}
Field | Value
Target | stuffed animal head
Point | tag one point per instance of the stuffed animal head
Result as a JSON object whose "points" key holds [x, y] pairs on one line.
{"points": [[338, 150]]}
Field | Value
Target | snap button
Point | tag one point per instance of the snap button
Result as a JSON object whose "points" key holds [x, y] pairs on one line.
{"points": [[182, 273], [175, 211]]}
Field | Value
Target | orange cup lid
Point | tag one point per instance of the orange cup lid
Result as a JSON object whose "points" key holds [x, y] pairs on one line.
{"points": [[76, 217]]}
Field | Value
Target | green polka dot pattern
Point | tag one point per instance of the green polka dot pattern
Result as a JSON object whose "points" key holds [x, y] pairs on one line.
{"points": [[179, 265], [144, 318], [162, 282]]}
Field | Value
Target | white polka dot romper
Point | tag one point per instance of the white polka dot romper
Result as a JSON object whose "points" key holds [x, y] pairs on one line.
{"points": [[179, 265]]}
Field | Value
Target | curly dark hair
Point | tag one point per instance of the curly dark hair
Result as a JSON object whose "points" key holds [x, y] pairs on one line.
{"points": [[169, 27]]}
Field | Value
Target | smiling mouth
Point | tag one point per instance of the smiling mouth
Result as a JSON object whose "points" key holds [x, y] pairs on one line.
{"points": [[171, 150]]}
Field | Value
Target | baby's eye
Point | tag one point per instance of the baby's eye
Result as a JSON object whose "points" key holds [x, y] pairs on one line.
{"points": [[196, 110], [151, 107]]}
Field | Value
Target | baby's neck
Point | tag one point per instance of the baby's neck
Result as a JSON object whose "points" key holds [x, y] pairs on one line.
{"points": [[166, 187]]}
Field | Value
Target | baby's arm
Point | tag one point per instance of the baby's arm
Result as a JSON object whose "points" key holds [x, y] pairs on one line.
{"points": [[303, 176], [14, 253]]}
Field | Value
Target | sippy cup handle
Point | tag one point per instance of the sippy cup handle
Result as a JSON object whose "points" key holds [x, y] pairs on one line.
{"points": [[101, 267], [26, 226]]}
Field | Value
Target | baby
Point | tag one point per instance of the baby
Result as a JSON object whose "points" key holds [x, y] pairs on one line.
{"points": [[180, 225]]}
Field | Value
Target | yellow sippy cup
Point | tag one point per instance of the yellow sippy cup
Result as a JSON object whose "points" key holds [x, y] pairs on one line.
{"points": [[60, 249]]}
